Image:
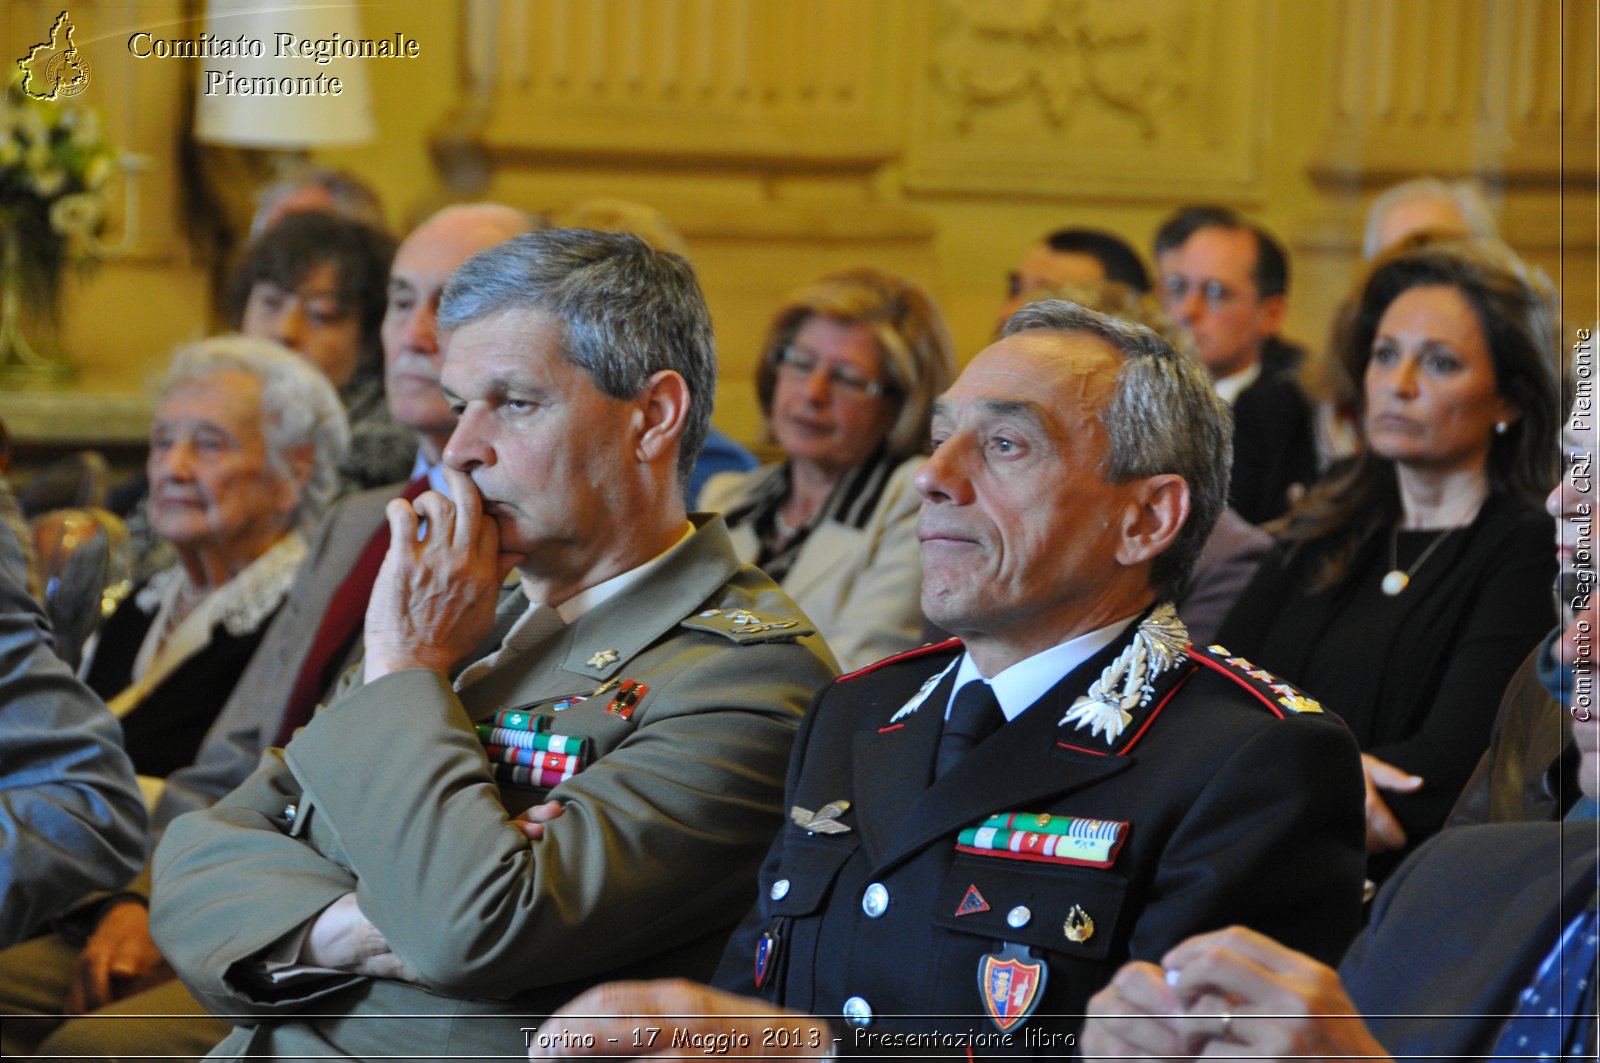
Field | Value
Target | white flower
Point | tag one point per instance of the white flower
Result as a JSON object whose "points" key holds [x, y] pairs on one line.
{"points": [[48, 182], [86, 131], [36, 157], [31, 123]]}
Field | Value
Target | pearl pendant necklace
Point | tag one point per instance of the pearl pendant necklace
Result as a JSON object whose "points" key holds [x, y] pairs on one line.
{"points": [[1398, 579]]}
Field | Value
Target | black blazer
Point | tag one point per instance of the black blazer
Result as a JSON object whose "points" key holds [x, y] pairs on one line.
{"points": [[163, 732], [1421, 686], [1274, 446]]}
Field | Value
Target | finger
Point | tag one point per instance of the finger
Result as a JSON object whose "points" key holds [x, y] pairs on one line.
{"points": [[1384, 832], [1125, 1037], [1137, 1014], [92, 988], [532, 820], [1386, 776], [1240, 940], [129, 959], [469, 508], [1143, 986], [402, 523], [592, 1024], [440, 513], [1210, 1017], [542, 813], [1219, 978]]}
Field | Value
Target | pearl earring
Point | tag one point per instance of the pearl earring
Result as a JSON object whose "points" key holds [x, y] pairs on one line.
{"points": [[1500, 428]]}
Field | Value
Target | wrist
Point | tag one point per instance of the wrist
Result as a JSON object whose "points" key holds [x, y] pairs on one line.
{"points": [[115, 901], [380, 664]]}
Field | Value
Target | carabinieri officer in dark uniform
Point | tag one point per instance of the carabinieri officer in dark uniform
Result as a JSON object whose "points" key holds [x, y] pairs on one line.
{"points": [[981, 832]]}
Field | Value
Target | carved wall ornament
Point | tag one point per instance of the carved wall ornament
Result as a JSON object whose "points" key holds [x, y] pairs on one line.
{"points": [[1060, 56]]}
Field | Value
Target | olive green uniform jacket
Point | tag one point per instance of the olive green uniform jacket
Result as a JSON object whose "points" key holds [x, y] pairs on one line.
{"points": [[387, 792]]}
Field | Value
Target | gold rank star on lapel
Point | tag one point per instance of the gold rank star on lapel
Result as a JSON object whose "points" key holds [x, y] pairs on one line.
{"points": [[603, 658]]}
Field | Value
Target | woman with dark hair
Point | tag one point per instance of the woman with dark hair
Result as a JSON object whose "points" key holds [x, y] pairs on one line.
{"points": [[1404, 592], [850, 370], [318, 284]]}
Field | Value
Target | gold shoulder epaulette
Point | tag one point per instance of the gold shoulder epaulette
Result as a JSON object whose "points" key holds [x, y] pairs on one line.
{"points": [[1277, 694], [747, 628]]}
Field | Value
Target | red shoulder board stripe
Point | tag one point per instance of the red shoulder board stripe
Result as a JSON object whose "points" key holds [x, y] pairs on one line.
{"points": [[1279, 696], [909, 655]]}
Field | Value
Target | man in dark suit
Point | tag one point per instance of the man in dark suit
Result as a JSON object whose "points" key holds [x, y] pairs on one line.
{"points": [[982, 831], [1227, 282]]}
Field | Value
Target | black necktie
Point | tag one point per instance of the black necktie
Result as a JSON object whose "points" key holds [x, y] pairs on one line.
{"points": [[974, 716]]}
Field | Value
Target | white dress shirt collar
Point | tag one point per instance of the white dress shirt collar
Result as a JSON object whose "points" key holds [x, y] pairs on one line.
{"points": [[1230, 387], [1026, 682]]}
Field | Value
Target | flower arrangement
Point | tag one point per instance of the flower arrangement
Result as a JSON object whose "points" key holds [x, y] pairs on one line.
{"points": [[54, 169]]}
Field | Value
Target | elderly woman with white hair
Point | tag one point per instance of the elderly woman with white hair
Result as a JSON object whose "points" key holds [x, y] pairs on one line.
{"points": [[244, 455]]}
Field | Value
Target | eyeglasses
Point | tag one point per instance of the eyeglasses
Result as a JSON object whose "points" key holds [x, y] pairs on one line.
{"points": [[802, 365], [1214, 294]]}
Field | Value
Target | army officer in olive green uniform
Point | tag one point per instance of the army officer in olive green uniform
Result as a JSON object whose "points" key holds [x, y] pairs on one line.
{"points": [[384, 885]]}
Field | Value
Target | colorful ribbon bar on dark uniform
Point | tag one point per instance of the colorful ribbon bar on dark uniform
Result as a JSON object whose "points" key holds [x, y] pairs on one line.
{"points": [[1057, 839]]}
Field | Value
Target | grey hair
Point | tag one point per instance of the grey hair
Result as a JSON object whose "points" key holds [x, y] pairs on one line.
{"points": [[624, 312], [298, 407], [1163, 417], [1467, 195], [352, 197]]}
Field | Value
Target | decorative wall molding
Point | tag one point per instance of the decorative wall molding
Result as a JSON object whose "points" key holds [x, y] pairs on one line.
{"points": [[1089, 98], [685, 84], [1460, 87]]}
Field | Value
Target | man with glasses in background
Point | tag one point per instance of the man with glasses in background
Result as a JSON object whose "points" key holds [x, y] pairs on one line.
{"points": [[1226, 282]]}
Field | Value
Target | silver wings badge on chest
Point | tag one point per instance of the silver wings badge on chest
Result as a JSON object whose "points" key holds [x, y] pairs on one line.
{"points": [[824, 820]]}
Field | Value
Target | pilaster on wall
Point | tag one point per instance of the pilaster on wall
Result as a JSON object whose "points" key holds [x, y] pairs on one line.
{"points": [[692, 83], [1500, 90], [1462, 86], [761, 129]]}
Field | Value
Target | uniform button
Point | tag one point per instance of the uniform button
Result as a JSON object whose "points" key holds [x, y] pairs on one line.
{"points": [[780, 889], [1018, 917], [290, 811], [876, 901], [857, 1012]]}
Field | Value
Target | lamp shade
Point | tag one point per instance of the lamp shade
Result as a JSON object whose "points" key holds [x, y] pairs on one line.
{"points": [[285, 77]]}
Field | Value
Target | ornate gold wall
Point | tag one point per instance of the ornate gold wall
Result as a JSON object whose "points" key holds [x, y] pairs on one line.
{"points": [[935, 137]]}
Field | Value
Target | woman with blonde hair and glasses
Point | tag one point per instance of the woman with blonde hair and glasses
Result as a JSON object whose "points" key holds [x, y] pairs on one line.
{"points": [[850, 369]]}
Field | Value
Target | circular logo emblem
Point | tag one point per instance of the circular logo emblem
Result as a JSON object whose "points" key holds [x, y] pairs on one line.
{"points": [[67, 74]]}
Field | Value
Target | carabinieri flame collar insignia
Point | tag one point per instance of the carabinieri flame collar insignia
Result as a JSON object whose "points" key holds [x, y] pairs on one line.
{"points": [[1160, 644]]}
